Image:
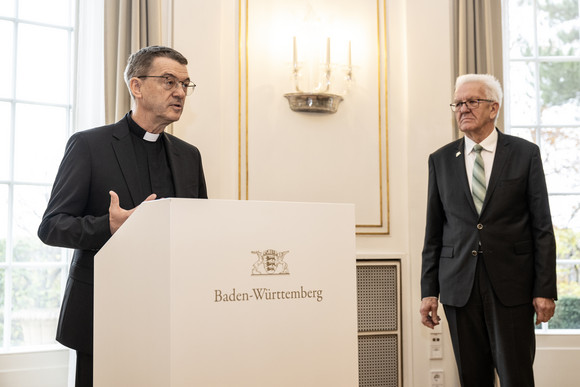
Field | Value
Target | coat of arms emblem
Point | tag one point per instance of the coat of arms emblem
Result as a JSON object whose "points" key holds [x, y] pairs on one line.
{"points": [[270, 262]]}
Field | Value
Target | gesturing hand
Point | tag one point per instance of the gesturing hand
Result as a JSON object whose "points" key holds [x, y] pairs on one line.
{"points": [[118, 215]]}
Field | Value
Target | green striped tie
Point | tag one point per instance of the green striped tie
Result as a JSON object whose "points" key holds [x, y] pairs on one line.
{"points": [[478, 181]]}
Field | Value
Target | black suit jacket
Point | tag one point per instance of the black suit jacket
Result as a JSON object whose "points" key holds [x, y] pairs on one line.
{"points": [[514, 227], [95, 162]]}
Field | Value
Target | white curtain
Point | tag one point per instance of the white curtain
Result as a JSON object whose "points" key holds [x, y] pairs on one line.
{"points": [[89, 94]]}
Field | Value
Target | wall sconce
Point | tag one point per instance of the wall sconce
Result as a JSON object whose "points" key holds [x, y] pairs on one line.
{"points": [[320, 100]]}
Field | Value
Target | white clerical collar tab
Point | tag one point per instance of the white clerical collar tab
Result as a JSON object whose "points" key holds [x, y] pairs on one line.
{"points": [[151, 137]]}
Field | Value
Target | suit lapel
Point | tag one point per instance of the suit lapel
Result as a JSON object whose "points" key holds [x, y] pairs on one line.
{"points": [[461, 172], [123, 147], [500, 159], [176, 165]]}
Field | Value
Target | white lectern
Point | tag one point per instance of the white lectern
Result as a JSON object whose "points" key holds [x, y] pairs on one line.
{"points": [[228, 293]]}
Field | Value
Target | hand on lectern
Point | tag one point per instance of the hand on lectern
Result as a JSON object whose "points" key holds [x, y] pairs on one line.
{"points": [[118, 215]]}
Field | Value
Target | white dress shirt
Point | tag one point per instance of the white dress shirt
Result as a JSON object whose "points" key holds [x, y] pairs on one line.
{"points": [[488, 153]]}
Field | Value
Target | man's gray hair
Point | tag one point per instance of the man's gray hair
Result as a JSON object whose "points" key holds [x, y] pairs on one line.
{"points": [[490, 83]]}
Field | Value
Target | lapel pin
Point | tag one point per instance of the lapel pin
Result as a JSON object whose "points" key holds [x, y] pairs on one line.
{"points": [[457, 154]]}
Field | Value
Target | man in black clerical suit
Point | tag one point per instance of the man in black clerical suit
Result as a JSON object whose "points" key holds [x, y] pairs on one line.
{"points": [[489, 251], [107, 171]]}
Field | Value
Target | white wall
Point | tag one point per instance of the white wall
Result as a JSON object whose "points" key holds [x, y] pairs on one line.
{"points": [[429, 126], [419, 121]]}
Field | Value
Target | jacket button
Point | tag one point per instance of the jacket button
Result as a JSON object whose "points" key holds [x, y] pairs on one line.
{"points": [[474, 253], [480, 226]]}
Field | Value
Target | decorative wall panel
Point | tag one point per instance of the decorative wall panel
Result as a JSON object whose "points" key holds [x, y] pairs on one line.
{"points": [[314, 157]]}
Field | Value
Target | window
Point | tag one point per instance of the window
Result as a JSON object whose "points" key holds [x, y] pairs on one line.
{"points": [[542, 83], [36, 73]]}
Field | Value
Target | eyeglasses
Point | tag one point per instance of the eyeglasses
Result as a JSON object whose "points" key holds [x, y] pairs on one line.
{"points": [[171, 83], [471, 104]]}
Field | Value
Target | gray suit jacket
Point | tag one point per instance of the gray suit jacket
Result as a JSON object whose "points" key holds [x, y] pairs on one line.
{"points": [[95, 162], [514, 228]]}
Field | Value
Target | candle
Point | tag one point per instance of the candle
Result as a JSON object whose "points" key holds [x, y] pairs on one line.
{"points": [[349, 61], [294, 53], [328, 52]]}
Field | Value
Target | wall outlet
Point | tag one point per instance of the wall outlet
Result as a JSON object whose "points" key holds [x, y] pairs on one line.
{"points": [[437, 378], [436, 346]]}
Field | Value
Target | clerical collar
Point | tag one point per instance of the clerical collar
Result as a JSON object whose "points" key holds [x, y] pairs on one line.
{"points": [[140, 132], [151, 137]]}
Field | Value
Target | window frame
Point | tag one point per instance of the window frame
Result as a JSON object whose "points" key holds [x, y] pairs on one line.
{"points": [[9, 265], [537, 125]]}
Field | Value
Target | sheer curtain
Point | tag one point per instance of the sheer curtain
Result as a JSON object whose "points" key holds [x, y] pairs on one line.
{"points": [[129, 26], [477, 39], [89, 93]]}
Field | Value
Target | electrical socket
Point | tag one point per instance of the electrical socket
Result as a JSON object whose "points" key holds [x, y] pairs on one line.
{"points": [[436, 346], [437, 378]]}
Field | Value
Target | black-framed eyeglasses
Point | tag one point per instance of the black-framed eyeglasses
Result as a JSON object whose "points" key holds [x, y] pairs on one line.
{"points": [[471, 104], [171, 83]]}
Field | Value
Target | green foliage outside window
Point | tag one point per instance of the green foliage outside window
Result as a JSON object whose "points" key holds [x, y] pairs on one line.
{"points": [[567, 314], [3, 250]]}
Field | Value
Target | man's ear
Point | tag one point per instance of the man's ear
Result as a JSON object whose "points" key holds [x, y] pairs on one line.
{"points": [[135, 86], [494, 110]]}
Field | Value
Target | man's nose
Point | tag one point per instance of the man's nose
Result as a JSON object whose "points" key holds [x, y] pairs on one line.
{"points": [[180, 91], [463, 106]]}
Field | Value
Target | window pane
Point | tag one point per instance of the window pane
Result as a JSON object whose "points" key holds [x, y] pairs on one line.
{"points": [[560, 96], [522, 93], [568, 307], [565, 211], [561, 159], [544, 46], [3, 220], [5, 121], [2, 274], [7, 8], [53, 12], [36, 68], [521, 28], [566, 224], [526, 133], [567, 315], [39, 142], [35, 305], [29, 205], [6, 47], [43, 65], [558, 29]]}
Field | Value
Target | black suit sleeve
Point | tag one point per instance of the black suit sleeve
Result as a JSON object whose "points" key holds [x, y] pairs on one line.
{"points": [[542, 231], [64, 223], [202, 185], [433, 237]]}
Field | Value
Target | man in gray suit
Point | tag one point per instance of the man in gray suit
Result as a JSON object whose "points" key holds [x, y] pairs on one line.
{"points": [[106, 172], [489, 254]]}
